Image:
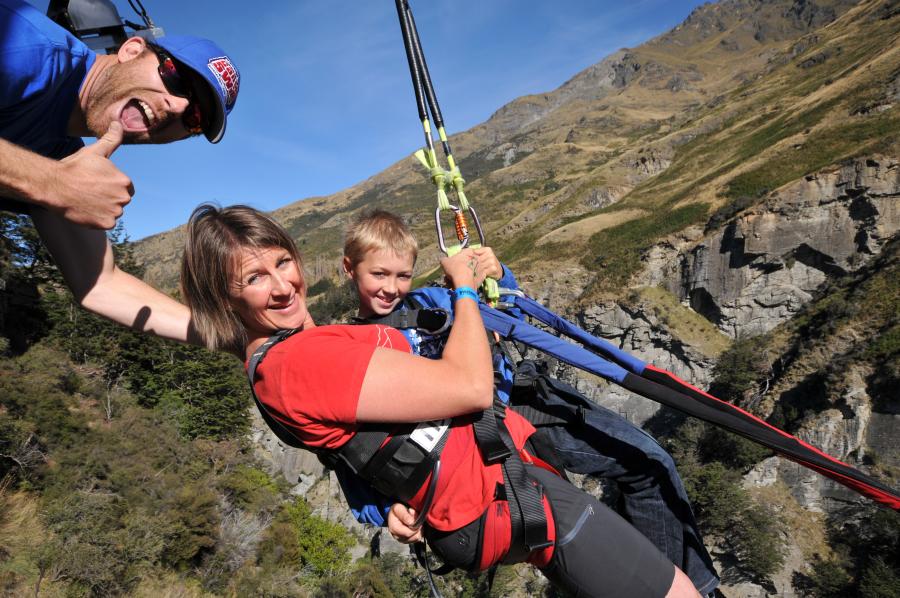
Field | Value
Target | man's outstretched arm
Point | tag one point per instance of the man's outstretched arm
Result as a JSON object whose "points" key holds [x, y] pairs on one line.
{"points": [[85, 258]]}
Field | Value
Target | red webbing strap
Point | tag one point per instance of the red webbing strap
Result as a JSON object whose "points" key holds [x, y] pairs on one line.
{"points": [[746, 424]]}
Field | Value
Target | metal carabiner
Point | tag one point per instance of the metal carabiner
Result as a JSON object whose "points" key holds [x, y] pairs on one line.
{"points": [[440, 231], [477, 226]]}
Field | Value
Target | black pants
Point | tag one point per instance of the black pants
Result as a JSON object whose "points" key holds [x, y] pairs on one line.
{"points": [[598, 554]]}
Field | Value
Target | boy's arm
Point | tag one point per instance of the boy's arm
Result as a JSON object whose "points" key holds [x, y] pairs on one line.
{"points": [[367, 505], [508, 280]]}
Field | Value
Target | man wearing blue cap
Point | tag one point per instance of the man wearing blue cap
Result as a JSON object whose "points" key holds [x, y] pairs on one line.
{"points": [[55, 90]]}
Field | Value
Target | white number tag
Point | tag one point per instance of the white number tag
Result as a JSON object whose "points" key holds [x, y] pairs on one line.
{"points": [[427, 434]]}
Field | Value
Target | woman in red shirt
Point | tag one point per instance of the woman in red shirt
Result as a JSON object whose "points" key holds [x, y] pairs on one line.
{"points": [[242, 278]]}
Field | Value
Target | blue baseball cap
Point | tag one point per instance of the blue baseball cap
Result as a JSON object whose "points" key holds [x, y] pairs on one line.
{"points": [[214, 68]]}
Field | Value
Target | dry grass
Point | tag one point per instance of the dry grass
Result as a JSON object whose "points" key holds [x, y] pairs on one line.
{"points": [[684, 323], [167, 585], [20, 531], [583, 229], [808, 528]]}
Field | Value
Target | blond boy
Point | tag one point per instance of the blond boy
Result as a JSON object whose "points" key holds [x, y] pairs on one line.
{"points": [[379, 257]]}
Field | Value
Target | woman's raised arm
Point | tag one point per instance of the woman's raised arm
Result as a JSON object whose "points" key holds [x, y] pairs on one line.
{"points": [[399, 387]]}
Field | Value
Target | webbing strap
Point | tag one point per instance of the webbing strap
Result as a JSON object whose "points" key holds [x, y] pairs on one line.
{"points": [[528, 520], [514, 329], [487, 434], [433, 320], [526, 507], [541, 417], [432, 484]]}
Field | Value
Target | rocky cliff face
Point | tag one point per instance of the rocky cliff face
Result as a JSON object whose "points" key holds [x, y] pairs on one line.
{"points": [[760, 269]]}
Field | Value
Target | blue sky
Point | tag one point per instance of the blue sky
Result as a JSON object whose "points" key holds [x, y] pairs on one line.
{"points": [[325, 98]]}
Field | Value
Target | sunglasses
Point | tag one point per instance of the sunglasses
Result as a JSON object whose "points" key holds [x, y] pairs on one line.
{"points": [[180, 86]]}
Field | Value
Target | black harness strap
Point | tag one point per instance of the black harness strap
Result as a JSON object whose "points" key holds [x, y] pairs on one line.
{"points": [[525, 498], [284, 434], [539, 417], [526, 508], [526, 505], [387, 457], [432, 320], [487, 434]]}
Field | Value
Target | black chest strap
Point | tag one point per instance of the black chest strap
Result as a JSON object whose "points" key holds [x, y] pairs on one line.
{"points": [[431, 320]]}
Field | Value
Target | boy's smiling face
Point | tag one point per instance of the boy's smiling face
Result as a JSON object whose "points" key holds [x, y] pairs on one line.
{"points": [[382, 279]]}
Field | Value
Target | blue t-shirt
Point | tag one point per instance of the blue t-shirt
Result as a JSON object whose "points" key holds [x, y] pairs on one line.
{"points": [[42, 67]]}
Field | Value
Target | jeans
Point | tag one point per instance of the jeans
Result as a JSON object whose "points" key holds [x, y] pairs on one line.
{"points": [[652, 496]]}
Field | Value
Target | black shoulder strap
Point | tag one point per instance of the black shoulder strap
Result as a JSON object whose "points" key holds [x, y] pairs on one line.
{"points": [[433, 320], [284, 434]]}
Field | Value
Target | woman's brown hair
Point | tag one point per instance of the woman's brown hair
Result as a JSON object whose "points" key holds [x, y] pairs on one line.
{"points": [[215, 239]]}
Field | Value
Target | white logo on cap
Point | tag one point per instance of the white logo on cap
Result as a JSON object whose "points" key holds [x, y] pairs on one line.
{"points": [[228, 78]]}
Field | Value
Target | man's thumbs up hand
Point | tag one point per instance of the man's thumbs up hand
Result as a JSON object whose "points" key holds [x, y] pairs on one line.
{"points": [[87, 188]]}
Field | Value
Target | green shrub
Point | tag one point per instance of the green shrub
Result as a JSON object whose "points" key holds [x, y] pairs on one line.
{"points": [[335, 304], [716, 496], [827, 579], [880, 580], [740, 369], [321, 286], [251, 489], [757, 541], [734, 451], [298, 538]]}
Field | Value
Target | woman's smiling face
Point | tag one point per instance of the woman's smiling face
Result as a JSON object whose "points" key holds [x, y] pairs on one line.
{"points": [[267, 291]]}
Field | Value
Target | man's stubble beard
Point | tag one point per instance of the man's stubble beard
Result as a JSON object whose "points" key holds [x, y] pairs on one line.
{"points": [[111, 88]]}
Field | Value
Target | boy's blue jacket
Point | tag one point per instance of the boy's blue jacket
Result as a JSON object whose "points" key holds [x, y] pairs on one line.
{"points": [[367, 505]]}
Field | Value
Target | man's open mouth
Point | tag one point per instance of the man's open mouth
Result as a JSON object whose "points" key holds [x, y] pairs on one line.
{"points": [[137, 115]]}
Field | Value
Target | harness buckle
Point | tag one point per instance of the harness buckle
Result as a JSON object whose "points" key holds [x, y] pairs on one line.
{"points": [[492, 457]]}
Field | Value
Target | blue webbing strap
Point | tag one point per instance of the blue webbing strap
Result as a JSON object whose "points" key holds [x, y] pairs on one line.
{"points": [[514, 329], [563, 326]]}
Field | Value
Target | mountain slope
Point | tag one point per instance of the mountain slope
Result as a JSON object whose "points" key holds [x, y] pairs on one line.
{"points": [[705, 98]]}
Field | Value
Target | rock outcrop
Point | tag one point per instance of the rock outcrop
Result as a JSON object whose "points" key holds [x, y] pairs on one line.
{"points": [[298, 467], [640, 332], [763, 267]]}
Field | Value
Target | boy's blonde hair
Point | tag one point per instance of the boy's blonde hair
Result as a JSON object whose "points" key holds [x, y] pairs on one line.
{"points": [[379, 230]]}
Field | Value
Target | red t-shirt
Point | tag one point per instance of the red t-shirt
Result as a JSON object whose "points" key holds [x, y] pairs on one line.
{"points": [[311, 382]]}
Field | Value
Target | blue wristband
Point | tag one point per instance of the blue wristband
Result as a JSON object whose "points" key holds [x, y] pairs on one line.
{"points": [[465, 293]]}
